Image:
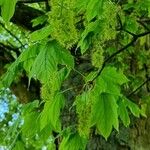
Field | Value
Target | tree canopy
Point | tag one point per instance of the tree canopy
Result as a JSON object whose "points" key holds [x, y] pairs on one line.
{"points": [[79, 69]]}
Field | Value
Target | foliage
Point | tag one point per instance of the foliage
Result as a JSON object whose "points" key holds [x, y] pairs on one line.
{"points": [[7, 9], [108, 34], [10, 111]]}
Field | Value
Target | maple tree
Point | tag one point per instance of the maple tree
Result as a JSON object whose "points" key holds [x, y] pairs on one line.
{"points": [[89, 59]]}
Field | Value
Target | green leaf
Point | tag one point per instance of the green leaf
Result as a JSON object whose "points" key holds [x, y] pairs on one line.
{"points": [[41, 33], [39, 20], [123, 104], [105, 114], [1, 2], [94, 8], [11, 74], [19, 146], [131, 24], [91, 28], [72, 142], [110, 81], [51, 113], [28, 56], [82, 5], [30, 126], [143, 110], [111, 74], [106, 93], [42, 137], [107, 86], [48, 59], [29, 107], [65, 58], [123, 113], [44, 64], [135, 110], [8, 9]]}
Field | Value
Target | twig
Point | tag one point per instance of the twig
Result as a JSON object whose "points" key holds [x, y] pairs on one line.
{"points": [[143, 34], [113, 55], [133, 34], [119, 51], [143, 24], [121, 28], [31, 1], [139, 87], [7, 48], [13, 35]]}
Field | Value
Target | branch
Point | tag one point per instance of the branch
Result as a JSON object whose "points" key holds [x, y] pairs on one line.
{"points": [[13, 35], [143, 24], [31, 1], [121, 28], [139, 87], [7, 49], [113, 55], [119, 51], [5, 55], [133, 34], [23, 16], [143, 34], [15, 49]]}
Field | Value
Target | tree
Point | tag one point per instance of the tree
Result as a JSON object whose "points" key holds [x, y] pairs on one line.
{"points": [[80, 68]]}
